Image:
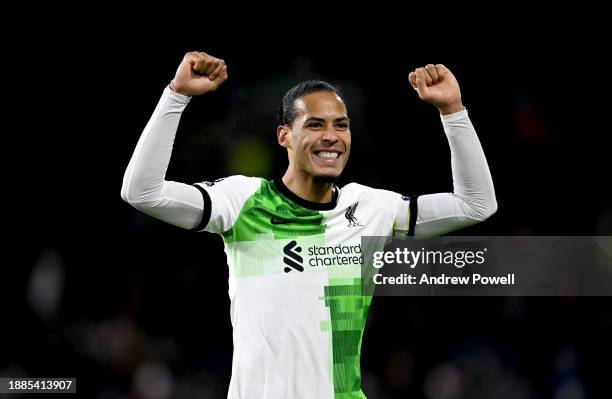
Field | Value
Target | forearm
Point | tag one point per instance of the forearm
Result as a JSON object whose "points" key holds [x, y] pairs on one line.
{"points": [[144, 184], [473, 197]]}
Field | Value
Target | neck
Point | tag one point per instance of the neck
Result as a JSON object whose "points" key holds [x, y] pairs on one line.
{"points": [[308, 187]]}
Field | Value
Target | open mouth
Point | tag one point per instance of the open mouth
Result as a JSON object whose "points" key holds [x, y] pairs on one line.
{"points": [[328, 155]]}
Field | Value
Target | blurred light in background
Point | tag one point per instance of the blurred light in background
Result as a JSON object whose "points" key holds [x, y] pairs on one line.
{"points": [[250, 157], [45, 285], [444, 382], [153, 381]]}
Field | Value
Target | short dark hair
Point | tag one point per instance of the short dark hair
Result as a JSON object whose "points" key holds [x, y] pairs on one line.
{"points": [[287, 112]]}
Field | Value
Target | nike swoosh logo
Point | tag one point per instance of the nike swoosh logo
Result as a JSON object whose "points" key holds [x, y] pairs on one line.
{"points": [[279, 221]]}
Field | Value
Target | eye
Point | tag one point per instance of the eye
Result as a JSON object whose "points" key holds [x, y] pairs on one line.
{"points": [[342, 125], [314, 125]]}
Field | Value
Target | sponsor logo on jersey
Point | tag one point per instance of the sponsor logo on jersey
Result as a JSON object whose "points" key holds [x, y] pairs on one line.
{"points": [[350, 215], [321, 256], [292, 258]]}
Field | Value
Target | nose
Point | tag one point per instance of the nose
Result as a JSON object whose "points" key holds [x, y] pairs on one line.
{"points": [[330, 136]]}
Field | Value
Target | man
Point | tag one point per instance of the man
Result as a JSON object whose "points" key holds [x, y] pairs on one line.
{"points": [[293, 244]]}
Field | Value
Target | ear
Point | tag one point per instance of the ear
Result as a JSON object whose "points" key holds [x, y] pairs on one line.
{"points": [[283, 135]]}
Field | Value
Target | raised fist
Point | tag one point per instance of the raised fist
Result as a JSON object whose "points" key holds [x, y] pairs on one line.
{"points": [[199, 73], [436, 85]]}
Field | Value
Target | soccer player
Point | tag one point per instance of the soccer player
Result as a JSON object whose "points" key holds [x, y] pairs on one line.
{"points": [[293, 243]]}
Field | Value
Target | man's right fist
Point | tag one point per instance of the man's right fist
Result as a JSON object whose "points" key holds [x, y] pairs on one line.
{"points": [[199, 73]]}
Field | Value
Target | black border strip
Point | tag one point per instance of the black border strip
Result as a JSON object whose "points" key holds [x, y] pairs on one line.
{"points": [[207, 208], [414, 209]]}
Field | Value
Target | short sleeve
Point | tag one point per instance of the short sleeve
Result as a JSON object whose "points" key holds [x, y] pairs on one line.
{"points": [[224, 198]]}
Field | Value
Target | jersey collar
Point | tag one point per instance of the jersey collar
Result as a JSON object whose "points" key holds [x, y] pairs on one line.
{"points": [[278, 182]]}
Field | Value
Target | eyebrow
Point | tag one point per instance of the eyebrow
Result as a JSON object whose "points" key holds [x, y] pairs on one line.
{"points": [[315, 119]]}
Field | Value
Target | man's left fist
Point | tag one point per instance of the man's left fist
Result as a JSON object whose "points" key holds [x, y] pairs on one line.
{"points": [[436, 85]]}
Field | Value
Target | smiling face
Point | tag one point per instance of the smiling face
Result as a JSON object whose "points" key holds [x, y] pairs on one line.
{"points": [[319, 140]]}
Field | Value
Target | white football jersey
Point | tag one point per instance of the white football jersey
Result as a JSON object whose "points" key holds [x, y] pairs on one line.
{"points": [[297, 306]]}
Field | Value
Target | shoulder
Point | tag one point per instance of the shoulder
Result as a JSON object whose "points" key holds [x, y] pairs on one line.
{"points": [[230, 190], [236, 182], [356, 192], [361, 189], [232, 180], [224, 198]]}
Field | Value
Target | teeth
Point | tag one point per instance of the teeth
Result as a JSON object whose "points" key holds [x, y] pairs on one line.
{"points": [[324, 154]]}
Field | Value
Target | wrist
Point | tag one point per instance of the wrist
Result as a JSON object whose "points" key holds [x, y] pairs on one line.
{"points": [[173, 87], [451, 108]]}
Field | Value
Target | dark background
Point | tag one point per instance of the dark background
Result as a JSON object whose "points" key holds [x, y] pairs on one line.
{"points": [[136, 308]]}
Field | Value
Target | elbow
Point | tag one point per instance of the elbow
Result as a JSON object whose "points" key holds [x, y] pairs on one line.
{"points": [[479, 211], [125, 186], [124, 193], [130, 198], [127, 191], [141, 197], [137, 202], [490, 208], [487, 208], [131, 194]]}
